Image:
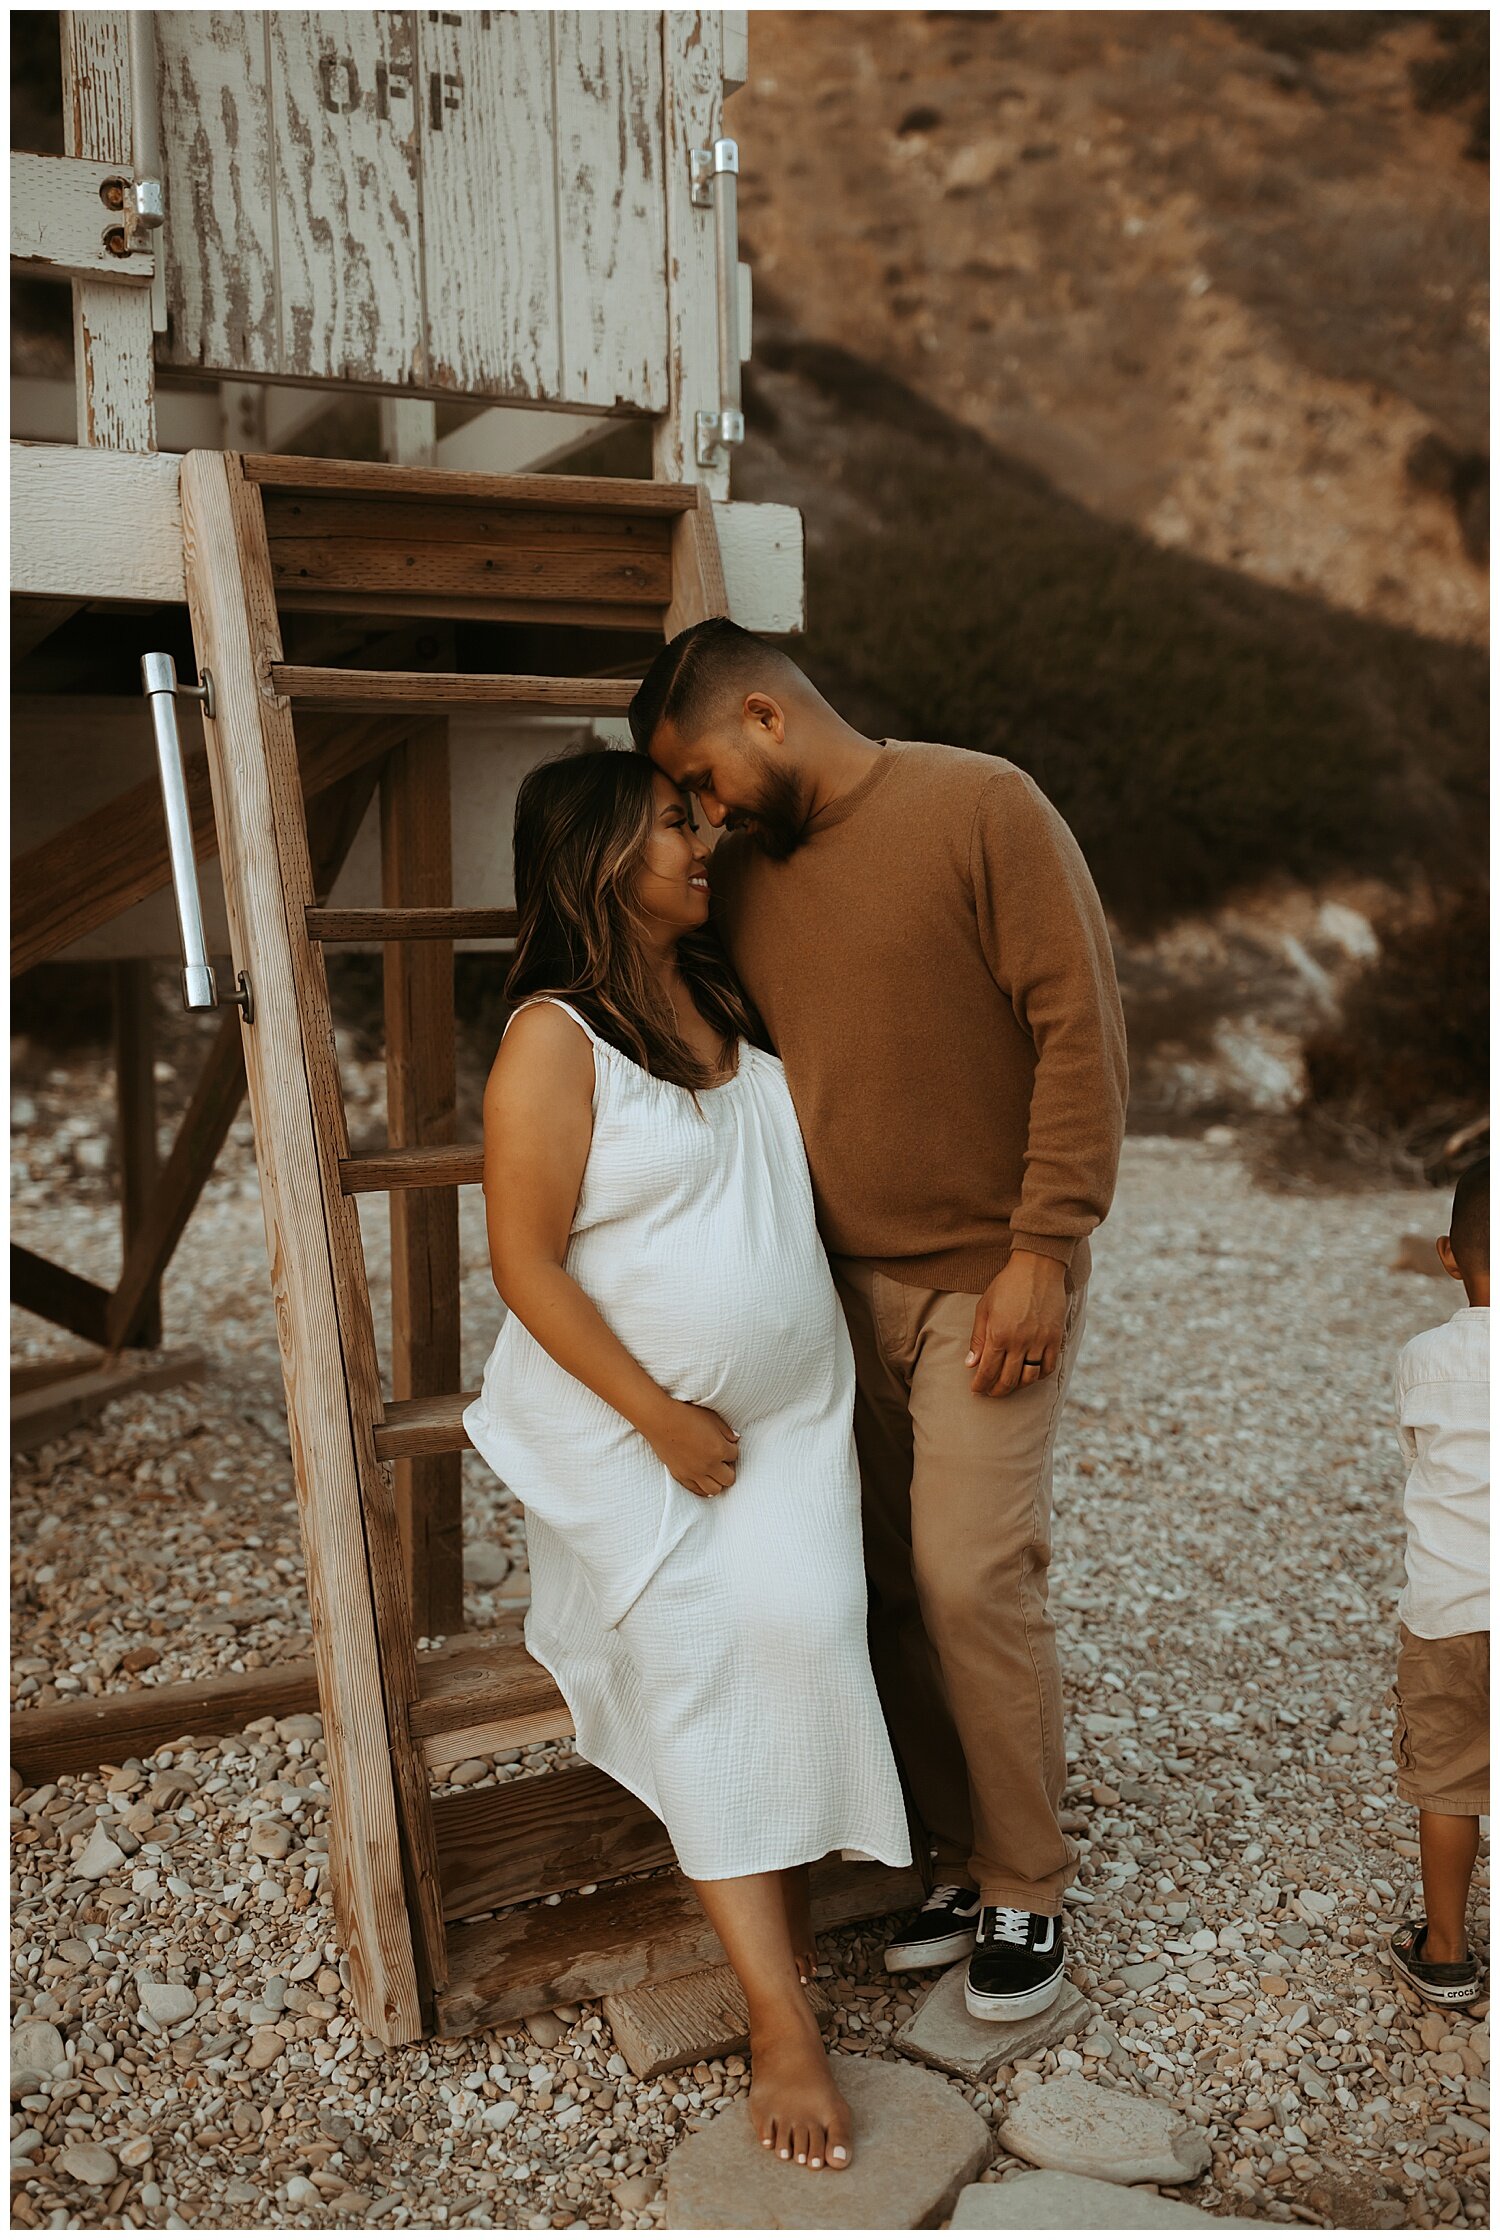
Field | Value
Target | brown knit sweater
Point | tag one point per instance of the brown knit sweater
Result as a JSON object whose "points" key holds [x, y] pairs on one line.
{"points": [[933, 968]]}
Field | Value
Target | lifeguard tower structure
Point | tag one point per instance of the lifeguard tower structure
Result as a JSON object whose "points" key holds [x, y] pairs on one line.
{"points": [[515, 231]]}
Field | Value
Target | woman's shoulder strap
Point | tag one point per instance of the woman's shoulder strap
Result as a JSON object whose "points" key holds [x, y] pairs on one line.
{"points": [[576, 1016]]}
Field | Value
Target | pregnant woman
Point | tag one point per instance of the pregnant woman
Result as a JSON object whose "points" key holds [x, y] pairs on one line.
{"points": [[671, 1398]]}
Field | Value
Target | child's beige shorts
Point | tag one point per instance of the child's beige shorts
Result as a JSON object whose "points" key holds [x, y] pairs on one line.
{"points": [[1442, 1737]]}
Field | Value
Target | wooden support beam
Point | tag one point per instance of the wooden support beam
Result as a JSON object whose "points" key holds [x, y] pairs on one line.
{"points": [[386, 1893], [411, 925], [333, 819], [58, 1296], [53, 1409], [550, 1832], [693, 117], [216, 1099], [92, 870], [59, 220], [416, 850], [114, 359], [416, 693], [135, 1121], [132, 1722]]}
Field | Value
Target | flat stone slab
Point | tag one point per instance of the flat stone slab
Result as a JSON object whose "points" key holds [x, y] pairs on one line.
{"points": [[917, 2143], [1070, 2124], [946, 2036], [1056, 2201]]}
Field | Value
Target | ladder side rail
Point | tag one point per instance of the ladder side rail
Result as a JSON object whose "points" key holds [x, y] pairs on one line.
{"points": [[416, 851], [343, 1496]]}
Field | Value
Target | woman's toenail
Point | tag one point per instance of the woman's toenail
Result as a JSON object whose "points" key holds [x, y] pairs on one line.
{"points": [[802, 2158], [816, 2163], [839, 2154], [786, 2154]]}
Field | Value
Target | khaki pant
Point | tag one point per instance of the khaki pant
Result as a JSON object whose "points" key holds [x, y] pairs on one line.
{"points": [[958, 1538]]}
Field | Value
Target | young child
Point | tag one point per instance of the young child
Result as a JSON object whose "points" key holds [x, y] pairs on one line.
{"points": [[1442, 1692]]}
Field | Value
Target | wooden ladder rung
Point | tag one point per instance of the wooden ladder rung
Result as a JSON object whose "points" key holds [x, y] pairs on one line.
{"points": [[435, 1166], [491, 1696], [569, 493], [411, 925], [432, 1426], [433, 692]]}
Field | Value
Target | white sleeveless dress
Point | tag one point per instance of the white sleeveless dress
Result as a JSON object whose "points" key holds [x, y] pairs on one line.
{"points": [[711, 1651]]}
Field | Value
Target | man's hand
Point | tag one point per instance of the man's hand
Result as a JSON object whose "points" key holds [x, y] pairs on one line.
{"points": [[1018, 1325]]}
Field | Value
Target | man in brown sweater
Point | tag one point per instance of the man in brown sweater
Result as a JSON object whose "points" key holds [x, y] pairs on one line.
{"points": [[922, 938]]}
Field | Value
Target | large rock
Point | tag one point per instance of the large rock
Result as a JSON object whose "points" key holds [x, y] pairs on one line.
{"points": [[1070, 2124], [1055, 2201], [167, 2003], [100, 1856], [917, 2142], [946, 2036], [37, 2049]]}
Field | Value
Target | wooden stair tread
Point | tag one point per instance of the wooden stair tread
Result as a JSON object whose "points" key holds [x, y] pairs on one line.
{"points": [[430, 1426], [621, 1935], [488, 1678], [445, 924], [430, 692], [543, 1834], [379, 478], [418, 1166]]}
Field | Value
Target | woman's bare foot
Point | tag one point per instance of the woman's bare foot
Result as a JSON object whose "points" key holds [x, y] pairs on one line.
{"points": [[796, 2108], [797, 1899]]}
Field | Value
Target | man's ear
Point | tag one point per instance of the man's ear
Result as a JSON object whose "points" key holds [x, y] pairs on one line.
{"points": [[764, 714], [1445, 1254]]}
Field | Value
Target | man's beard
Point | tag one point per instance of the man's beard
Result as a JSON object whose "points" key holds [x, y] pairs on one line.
{"points": [[779, 815]]}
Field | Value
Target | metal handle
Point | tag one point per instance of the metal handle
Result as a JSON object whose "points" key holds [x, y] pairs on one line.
{"points": [[160, 684], [716, 180]]}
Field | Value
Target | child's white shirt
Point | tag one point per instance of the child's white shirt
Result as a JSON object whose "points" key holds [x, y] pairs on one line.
{"points": [[1443, 1417]]}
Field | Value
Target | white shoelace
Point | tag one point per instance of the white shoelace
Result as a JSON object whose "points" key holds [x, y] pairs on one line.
{"points": [[1012, 1925], [943, 1895]]}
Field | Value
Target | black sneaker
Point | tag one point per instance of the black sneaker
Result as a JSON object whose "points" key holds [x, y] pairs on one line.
{"points": [[1442, 1983], [1017, 1966], [942, 1929]]}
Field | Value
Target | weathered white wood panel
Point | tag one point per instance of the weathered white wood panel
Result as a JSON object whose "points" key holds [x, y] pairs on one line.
{"points": [[58, 221], [736, 48], [213, 79], [612, 206], [94, 524], [113, 357], [762, 550], [693, 106], [343, 99], [489, 210], [470, 201]]}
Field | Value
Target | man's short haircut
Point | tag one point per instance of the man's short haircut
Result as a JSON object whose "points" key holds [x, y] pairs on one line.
{"points": [[1469, 1224], [696, 670]]}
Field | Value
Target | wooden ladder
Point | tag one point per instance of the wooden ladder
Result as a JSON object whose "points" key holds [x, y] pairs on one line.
{"points": [[417, 1879]]}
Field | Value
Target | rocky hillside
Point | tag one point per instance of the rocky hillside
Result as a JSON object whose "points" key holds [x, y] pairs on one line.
{"points": [[1218, 277]]}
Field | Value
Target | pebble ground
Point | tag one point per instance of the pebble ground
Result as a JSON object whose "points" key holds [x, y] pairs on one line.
{"points": [[1228, 1558]]}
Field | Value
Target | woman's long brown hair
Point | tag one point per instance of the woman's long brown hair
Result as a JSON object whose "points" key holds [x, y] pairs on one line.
{"points": [[582, 826]]}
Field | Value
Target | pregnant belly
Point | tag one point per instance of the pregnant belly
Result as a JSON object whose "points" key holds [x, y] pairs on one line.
{"points": [[750, 1337]]}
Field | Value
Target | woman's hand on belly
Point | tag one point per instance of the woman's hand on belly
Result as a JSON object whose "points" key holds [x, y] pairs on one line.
{"points": [[696, 1444]]}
